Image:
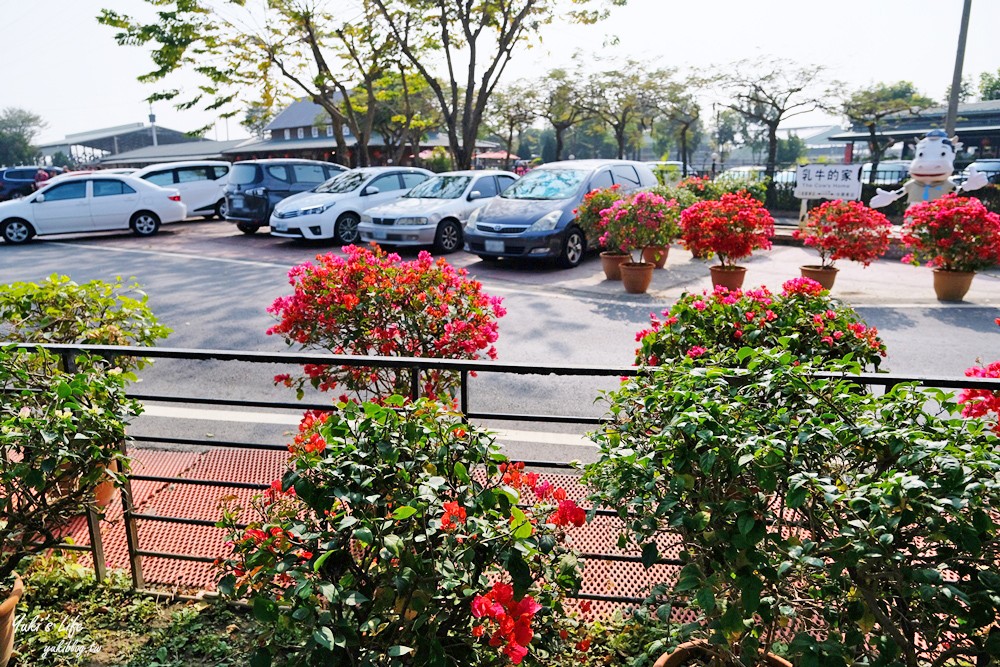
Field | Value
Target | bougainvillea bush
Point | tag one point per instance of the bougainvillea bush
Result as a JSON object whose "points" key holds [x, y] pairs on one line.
{"points": [[640, 220], [717, 324], [982, 403], [952, 233], [400, 536], [731, 227], [373, 303], [704, 188], [845, 230], [826, 524], [588, 216]]}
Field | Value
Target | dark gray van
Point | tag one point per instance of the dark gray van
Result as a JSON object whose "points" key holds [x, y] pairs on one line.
{"points": [[255, 186]]}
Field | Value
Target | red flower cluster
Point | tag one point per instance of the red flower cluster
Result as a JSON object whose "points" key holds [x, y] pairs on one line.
{"points": [[640, 220], [952, 233], [308, 438], [373, 303], [982, 403], [846, 230], [732, 227], [509, 619], [453, 515], [568, 513]]}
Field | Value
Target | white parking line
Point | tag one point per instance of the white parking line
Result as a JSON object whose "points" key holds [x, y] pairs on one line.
{"points": [[542, 437]]}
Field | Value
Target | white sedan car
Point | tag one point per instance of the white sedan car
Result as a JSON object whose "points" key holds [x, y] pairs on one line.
{"points": [[434, 212], [91, 203], [333, 209]]}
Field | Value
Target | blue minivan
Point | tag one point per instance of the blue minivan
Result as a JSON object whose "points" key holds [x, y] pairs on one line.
{"points": [[535, 216]]}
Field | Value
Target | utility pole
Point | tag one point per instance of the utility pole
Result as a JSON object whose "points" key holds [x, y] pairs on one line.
{"points": [[956, 79]]}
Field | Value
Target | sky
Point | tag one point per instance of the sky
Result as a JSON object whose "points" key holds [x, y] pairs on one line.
{"points": [[61, 64]]}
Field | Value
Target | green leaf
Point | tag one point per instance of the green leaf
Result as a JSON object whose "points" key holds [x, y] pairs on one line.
{"points": [[706, 599], [404, 512], [397, 651], [462, 473], [324, 637], [265, 610], [260, 658], [650, 554], [745, 522], [520, 573], [363, 535]]}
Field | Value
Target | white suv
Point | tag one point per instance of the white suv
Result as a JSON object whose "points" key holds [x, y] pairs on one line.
{"points": [[202, 184], [333, 209]]}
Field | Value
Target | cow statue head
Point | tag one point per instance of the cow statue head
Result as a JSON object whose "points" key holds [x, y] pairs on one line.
{"points": [[935, 158]]}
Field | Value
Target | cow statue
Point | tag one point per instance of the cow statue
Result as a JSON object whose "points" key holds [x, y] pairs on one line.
{"points": [[930, 173]]}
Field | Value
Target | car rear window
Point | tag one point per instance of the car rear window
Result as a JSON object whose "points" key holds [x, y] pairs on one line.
{"points": [[243, 174]]}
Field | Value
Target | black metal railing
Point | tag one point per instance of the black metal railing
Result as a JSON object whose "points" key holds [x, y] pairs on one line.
{"points": [[415, 366]]}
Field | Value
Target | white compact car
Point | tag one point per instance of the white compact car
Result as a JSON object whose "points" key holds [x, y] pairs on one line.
{"points": [[202, 184], [333, 209], [95, 202], [434, 212]]}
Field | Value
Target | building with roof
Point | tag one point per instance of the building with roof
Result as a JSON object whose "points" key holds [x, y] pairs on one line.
{"points": [[89, 147], [977, 127], [189, 150]]}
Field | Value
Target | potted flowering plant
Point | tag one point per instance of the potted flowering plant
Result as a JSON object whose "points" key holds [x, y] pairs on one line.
{"points": [[399, 535], [588, 216], [731, 227], [639, 221], [371, 302], [842, 230], [957, 236]]}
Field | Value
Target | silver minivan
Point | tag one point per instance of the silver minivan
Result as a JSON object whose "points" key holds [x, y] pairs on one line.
{"points": [[202, 184]]}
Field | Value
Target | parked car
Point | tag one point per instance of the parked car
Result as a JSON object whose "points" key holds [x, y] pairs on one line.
{"points": [[124, 171], [202, 184], [255, 186], [535, 216], [889, 172], [96, 202], [990, 167], [19, 181], [434, 212], [333, 210], [747, 174]]}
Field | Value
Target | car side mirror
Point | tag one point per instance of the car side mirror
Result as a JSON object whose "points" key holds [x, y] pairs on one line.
{"points": [[370, 190], [475, 194], [38, 199]]}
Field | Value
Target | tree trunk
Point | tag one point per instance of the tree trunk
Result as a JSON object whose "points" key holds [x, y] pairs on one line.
{"points": [[560, 129], [772, 159], [620, 138], [684, 151]]}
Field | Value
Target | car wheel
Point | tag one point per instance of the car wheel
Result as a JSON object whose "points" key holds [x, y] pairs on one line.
{"points": [[574, 245], [247, 228], [448, 238], [346, 231], [221, 209], [17, 231], [145, 223]]}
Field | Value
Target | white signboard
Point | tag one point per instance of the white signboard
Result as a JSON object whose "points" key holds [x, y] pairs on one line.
{"points": [[828, 181]]}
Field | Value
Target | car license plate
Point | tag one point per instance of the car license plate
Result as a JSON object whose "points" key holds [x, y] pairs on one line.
{"points": [[494, 246], [379, 234], [280, 226], [236, 202]]}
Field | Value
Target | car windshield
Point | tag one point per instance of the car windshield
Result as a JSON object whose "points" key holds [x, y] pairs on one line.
{"points": [[440, 187], [243, 174], [547, 184], [344, 182]]}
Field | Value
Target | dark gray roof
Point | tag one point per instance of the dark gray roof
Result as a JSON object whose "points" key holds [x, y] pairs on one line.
{"points": [[192, 150], [122, 138], [300, 113]]}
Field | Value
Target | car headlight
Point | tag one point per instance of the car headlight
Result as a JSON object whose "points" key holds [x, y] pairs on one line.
{"points": [[471, 224], [314, 210], [547, 222], [365, 218], [411, 221]]}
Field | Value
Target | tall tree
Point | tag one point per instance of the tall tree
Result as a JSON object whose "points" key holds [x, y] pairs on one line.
{"points": [[18, 128], [510, 111], [989, 85], [476, 39], [769, 91], [407, 111], [241, 50], [624, 97], [559, 98], [870, 106], [676, 104]]}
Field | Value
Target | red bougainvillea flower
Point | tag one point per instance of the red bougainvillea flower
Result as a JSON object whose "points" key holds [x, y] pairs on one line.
{"points": [[981, 403], [509, 619], [845, 230], [952, 233], [731, 227], [453, 515], [568, 513]]}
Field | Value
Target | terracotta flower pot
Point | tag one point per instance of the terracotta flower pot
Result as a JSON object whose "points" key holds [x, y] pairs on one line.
{"points": [[657, 254], [824, 275], [610, 262], [730, 277], [636, 276], [7, 621], [952, 285], [700, 650]]}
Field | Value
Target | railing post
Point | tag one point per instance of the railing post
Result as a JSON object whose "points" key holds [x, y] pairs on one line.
{"points": [[463, 389], [131, 534], [96, 544], [414, 383]]}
